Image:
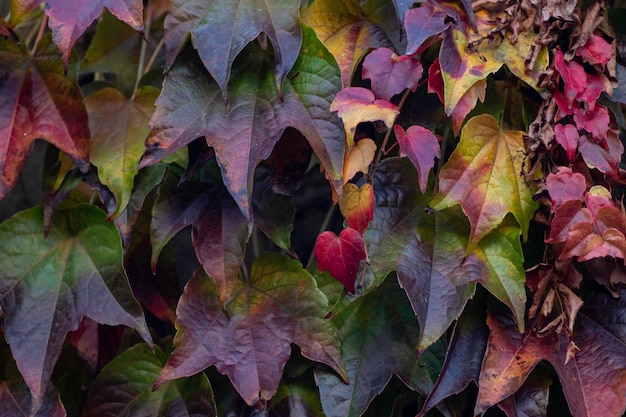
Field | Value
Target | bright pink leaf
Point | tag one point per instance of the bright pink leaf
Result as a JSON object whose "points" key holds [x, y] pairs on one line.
{"points": [[565, 185], [341, 255], [595, 86], [573, 75], [391, 74], [567, 137], [421, 146], [68, 21], [595, 51]]}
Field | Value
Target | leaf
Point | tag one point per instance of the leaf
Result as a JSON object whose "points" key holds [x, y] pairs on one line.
{"points": [[356, 105], [564, 186], [427, 250], [423, 22], [592, 380], [53, 282], [124, 388], [219, 231], [341, 255], [603, 159], [349, 29], [68, 22], [357, 205], [531, 399], [595, 51], [359, 159], [37, 101], [244, 133], [378, 336], [119, 129], [299, 397], [421, 146], [467, 103], [273, 213], [483, 174], [567, 136], [280, 305], [391, 74]]}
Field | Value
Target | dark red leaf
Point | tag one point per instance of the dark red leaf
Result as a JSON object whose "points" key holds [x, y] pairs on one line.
{"points": [[435, 80], [421, 146], [391, 74], [341, 255], [564, 186]]}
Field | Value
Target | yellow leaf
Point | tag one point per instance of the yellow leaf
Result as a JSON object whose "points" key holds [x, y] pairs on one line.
{"points": [[359, 159]]}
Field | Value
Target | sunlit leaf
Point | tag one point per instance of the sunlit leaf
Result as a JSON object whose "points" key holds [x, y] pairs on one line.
{"points": [[357, 205], [350, 28], [220, 30], [484, 175], [359, 158], [37, 101], [341, 255], [124, 388], [119, 129], [52, 282], [280, 305], [68, 22], [244, 132]]}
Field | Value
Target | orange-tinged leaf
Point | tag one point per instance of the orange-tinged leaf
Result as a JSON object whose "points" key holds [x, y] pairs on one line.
{"points": [[341, 255], [359, 159], [357, 205], [484, 175], [37, 101], [355, 105]]}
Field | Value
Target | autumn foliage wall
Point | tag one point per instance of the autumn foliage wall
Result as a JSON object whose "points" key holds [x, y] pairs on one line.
{"points": [[311, 208]]}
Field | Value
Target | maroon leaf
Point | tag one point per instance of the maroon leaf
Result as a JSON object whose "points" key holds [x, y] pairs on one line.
{"points": [[279, 305], [219, 231], [341, 255], [421, 146], [567, 136], [37, 101], [68, 22], [391, 74], [564, 186], [566, 216], [423, 22], [593, 380]]}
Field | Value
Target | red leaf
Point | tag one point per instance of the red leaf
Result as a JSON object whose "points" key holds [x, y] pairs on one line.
{"points": [[423, 22], [391, 74], [421, 146], [565, 185], [435, 80], [567, 137], [566, 216], [594, 121], [341, 255], [596, 156], [357, 205], [573, 75], [595, 51], [68, 22]]}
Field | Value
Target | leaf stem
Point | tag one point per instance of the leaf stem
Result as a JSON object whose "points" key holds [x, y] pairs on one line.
{"points": [[444, 149], [40, 32], [142, 55], [154, 56], [325, 223]]}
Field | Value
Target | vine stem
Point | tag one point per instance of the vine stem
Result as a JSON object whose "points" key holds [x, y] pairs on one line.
{"points": [[40, 32], [142, 55], [154, 56], [381, 151], [329, 215]]}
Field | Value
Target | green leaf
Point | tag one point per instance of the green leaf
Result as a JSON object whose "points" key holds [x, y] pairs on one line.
{"points": [[47, 284], [119, 128], [351, 28], [484, 175], [124, 389], [297, 397], [279, 305], [378, 335], [220, 29], [245, 131]]}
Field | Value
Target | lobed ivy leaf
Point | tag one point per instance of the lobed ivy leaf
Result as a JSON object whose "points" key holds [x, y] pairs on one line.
{"points": [[425, 21], [68, 22], [279, 305], [53, 282], [391, 74], [567, 136], [341, 255], [119, 129], [378, 335], [124, 389], [245, 131], [357, 205], [593, 380], [350, 28], [603, 158], [37, 101], [484, 175], [421, 146], [564, 186], [219, 231]]}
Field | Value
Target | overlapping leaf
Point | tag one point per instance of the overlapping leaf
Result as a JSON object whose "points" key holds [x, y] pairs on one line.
{"points": [[350, 28], [357, 205], [68, 22], [119, 129], [47, 284], [421, 146], [124, 388], [37, 101], [245, 131], [220, 30], [483, 174], [341, 255], [280, 305], [219, 231], [390, 74], [378, 337], [593, 380]]}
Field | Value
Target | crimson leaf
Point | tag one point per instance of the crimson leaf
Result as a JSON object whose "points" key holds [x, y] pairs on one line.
{"points": [[341, 255]]}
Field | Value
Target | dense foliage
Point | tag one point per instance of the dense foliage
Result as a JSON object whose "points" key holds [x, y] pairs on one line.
{"points": [[291, 208]]}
